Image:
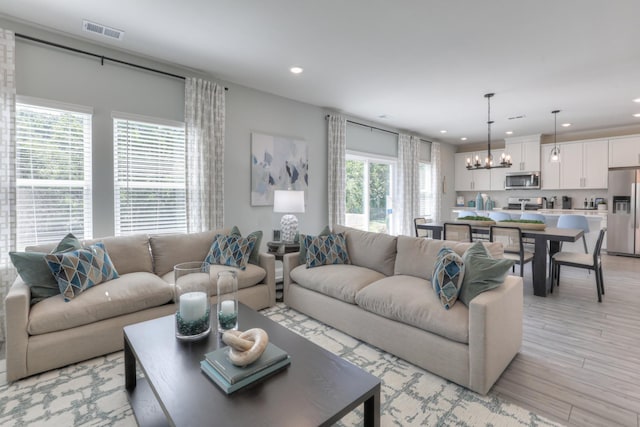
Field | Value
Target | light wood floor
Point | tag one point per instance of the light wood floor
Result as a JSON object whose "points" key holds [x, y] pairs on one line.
{"points": [[580, 360]]}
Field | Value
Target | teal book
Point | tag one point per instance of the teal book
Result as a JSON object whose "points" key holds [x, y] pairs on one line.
{"points": [[219, 360], [215, 376]]}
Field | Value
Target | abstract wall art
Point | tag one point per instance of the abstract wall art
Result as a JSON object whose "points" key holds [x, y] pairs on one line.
{"points": [[277, 163]]}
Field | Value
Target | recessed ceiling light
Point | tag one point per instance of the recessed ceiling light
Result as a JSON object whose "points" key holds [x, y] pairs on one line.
{"points": [[637, 100], [566, 125], [464, 138], [443, 131], [636, 115], [509, 132], [296, 70]]}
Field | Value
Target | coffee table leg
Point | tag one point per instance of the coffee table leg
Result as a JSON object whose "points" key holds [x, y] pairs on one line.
{"points": [[372, 409], [129, 367]]}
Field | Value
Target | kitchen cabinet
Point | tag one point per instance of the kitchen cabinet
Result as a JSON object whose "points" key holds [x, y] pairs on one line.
{"points": [[524, 152], [549, 171], [584, 164], [497, 175], [471, 180], [624, 151]]}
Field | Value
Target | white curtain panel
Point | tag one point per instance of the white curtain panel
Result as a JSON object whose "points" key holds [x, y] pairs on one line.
{"points": [[7, 165], [436, 181], [406, 195], [204, 121], [336, 168]]}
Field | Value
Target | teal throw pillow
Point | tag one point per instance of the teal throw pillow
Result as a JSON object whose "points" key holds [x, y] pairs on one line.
{"points": [[326, 250], [254, 257], [482, 272], [79, 270], [232, 250], [448, 274], [33, 269], [302, 256]]}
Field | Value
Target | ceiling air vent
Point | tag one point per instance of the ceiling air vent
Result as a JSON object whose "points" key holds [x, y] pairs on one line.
{"points": [[104, 31]]}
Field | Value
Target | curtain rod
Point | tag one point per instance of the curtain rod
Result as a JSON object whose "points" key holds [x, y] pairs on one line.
{"points": [[380, 129], [101, 57]]}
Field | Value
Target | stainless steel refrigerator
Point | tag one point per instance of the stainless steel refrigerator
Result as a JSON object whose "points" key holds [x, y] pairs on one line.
{"points": [[623, 218]]}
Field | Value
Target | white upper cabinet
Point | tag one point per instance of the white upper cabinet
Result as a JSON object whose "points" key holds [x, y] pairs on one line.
{"points": [[549, 171], [498, 174], [583, 164], [525, 153], [471, 180], [624, 151]]}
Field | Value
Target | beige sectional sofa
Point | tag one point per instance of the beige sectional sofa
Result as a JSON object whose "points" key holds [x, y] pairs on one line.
{"points": [[54, 333], [385, 298]]}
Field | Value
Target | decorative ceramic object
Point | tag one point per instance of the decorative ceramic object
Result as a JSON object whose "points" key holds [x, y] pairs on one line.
{"points": [[193, 317], [479, 202], [245, 347]]}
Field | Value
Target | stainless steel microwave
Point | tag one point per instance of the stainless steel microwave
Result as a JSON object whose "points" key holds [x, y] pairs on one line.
{"points": [[522, 180]]}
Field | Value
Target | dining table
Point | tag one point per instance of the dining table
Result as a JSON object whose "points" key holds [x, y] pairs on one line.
{"points": [[550, 237]]}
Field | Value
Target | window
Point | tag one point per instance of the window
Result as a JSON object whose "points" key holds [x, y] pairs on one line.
{"points": [[426, 190], [368, 198], [149, 172], [53, 171]]}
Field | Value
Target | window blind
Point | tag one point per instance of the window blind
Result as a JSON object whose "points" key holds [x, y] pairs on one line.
{"points": [[149, 172], [53, 174]]}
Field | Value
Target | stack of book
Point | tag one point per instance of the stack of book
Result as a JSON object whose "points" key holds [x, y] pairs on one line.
{"points": [[230, 378]]}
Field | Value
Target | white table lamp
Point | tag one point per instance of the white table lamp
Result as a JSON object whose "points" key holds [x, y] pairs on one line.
{"points": [[288, 202]]}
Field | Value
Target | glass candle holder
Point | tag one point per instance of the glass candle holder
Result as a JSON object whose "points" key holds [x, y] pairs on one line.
{"points": [[227, 300], [192, 284]]}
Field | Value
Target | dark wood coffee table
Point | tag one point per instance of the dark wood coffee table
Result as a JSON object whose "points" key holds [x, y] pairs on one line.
{"points": [[317, 389]]}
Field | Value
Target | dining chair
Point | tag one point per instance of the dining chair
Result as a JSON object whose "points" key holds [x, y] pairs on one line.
{"points": [[420, 232], [531, 216], [575, 221], [458, 232], [499, 216], [511, 239], [580, 260]]}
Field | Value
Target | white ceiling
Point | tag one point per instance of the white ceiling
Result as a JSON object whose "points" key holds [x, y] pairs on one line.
{"points": [[425, 64]]}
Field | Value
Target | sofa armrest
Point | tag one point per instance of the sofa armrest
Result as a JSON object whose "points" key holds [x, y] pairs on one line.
{"points": [[289, 262], [16, 308], [495, 332], [268, 262]]}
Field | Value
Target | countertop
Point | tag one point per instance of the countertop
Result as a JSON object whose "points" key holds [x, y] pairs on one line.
{"points": [[551, 212]]}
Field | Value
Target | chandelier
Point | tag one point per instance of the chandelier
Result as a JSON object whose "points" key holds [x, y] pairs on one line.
{"points": [[505, 160]]}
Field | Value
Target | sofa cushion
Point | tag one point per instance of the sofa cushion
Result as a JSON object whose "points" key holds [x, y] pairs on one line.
{"points": [[129, 293], [250, 276], [231, 250], [255, 252], [129, 254], [411, 300], [79, 270], [325, 250], [482, 272], [34, 270], [302, 255], [171, 249], [376, 251], [340, 281], [447, 276], [417, 256]]}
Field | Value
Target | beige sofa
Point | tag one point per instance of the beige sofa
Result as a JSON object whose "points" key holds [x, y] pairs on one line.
{"points": [[385, 298], [54, 333]]}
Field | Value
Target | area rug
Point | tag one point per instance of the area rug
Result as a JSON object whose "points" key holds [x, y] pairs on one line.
{"points": [[91, 393]]}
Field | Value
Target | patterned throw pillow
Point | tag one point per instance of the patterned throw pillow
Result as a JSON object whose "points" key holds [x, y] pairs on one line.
{"points": [[79, 270], [254, 257], [231, 250], [448, 274], [34, 270], [302, 256], [325, 250]]}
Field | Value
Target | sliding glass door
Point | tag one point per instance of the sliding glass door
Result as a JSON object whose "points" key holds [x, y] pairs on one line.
{"points": [[369, 196]]}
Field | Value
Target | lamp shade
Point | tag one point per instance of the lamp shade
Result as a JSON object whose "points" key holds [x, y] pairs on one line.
{"points": [[287, 201]]}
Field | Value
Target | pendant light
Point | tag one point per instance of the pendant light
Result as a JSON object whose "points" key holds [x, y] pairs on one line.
{"points": [[554, 157], [505, 160]]}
